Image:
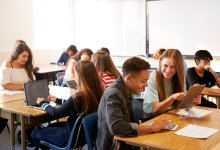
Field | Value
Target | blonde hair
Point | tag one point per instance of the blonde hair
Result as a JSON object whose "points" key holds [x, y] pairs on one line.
{"points": [[159, 53], [177, 79]]}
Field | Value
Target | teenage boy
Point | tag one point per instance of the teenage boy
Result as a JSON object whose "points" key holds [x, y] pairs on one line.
{"points": [[115, 115]]}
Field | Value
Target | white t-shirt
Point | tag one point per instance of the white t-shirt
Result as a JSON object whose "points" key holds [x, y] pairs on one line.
{"points": [[13, 75]]}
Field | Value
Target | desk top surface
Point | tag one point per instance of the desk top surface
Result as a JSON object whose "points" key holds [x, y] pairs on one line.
{"points": [[15, 103], [48, 68], [168, 140], [8, 98], [19, 107]]}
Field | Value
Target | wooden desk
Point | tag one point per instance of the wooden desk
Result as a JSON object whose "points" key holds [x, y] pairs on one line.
{"points": [[169, 140], [12, 107], [47, 71], [8, 98], [217, 96], [17, 111]]}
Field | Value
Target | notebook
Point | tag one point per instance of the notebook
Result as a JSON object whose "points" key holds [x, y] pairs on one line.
{"points": [[35, 89], [191, 93]]}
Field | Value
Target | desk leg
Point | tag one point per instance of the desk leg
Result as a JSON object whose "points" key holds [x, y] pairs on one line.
{"points": [[218, 102], [23, 133], [12, 131]]}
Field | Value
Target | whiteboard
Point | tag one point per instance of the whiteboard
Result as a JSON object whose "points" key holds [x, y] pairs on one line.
{"points": [[188, 25]]}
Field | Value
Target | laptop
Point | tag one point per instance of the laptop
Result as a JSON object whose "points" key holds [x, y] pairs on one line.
{"points": [[191, 93], [35, 89]]}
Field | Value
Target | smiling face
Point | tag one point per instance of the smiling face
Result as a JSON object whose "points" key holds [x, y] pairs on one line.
{"points": [[137, 82], [168, 68], [23, 58]]}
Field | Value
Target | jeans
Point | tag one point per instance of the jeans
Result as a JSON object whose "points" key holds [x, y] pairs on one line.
{"points": [[3, 124], [55, 134]]}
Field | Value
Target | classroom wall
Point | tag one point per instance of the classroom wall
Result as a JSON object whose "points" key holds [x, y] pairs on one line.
{"points": [[16, 23]]}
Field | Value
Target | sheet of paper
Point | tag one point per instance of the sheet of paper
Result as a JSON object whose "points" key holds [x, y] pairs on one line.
{"points": [[195, 131], [194, 112], [11, 92]]}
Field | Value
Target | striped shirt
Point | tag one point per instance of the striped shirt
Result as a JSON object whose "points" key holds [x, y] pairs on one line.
{"points": [[107, 80]]}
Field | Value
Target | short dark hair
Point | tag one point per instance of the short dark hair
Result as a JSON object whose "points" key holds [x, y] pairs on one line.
{"points": [[202, 55], [72, 48], [134, 65]]}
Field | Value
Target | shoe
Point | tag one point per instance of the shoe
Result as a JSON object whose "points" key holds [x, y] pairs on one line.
{"points": [[31, 146]]}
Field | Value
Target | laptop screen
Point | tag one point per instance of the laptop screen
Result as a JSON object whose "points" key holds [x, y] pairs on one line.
{"points": [[35, 89]]}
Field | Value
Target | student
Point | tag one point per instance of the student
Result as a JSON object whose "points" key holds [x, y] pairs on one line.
{"points": [[158, 53], [15, 72], [17, 42], [105, 67], [69, 53], [166, 86], [203, 74], [84, 101], [115, 116], [84, 54], [104, 49]]}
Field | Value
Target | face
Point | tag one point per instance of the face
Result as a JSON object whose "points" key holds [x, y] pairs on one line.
{"points": [[23, 58], [201, 63], [85, 57], [168, 68], [137, 83], [70, 53]]}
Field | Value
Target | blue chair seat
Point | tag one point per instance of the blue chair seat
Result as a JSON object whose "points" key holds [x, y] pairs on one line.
{"points": [[72, 140], [89, 123]]}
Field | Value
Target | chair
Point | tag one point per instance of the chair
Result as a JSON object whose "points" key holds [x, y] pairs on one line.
{"points": [[72, 140], [90, 129], [60, 76]]}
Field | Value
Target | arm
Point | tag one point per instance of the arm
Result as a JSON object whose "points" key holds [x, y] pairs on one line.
{"points": [[13, 86], [61, 111], [160, 107], [70, 69], [6, 74], [208, 67], [61, 59]]}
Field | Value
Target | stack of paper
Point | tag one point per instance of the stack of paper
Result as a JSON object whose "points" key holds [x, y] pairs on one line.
{"points": [[195, 131], [194, 112]]}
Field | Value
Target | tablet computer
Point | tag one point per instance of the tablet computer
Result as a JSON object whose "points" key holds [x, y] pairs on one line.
{"points": [[191, 93], [72, 84]]}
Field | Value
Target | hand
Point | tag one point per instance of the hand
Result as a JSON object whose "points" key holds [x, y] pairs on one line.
{"points": [[159, 125], [207, 67], [52, 98], [178, 96], [40, 99], [72, 91], [197, 100]]}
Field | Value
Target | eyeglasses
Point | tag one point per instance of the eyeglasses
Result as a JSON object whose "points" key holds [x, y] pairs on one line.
{"points": [[206, 60]]}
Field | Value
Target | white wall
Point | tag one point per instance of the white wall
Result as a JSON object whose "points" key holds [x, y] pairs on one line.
{"points": [[16, 19], [188, 25], [55, 24]]}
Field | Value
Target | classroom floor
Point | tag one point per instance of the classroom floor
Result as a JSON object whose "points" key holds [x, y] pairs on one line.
{"points": [[5, 141]]}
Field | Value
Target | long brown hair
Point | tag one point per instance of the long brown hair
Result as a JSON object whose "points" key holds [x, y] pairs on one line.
{"points": [[177, 79], [90, 86], [104, 64], [29, 64]]}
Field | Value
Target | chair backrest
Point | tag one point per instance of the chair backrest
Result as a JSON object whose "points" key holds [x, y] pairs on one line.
{"points": [[60, 76], [90, 129], [72, 139]]}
